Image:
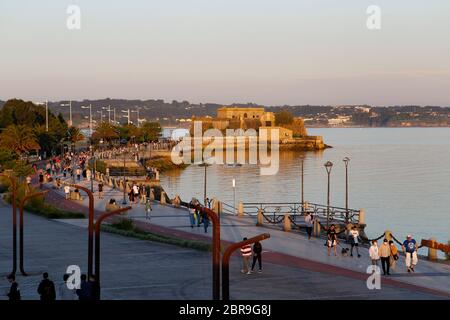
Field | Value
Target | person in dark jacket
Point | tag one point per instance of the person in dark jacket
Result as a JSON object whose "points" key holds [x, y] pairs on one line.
{"points": [[46, 289], [95, 288], [14, 292], [85, 291], [257, 251]]}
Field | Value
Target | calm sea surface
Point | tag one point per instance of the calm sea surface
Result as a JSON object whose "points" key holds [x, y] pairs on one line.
{"points": [[400, 176]]}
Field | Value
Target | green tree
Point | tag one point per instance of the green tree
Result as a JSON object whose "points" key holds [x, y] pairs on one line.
{"points": [[150, 131], [106, 132], [74, 135], [283, 117], [19, 138]]}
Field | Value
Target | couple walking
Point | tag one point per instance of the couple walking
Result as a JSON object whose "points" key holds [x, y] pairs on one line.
{"points": [[247, 252]]}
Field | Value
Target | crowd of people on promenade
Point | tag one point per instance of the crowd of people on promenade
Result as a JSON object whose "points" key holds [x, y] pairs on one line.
{"points": [[88, 289], [387, 252]]}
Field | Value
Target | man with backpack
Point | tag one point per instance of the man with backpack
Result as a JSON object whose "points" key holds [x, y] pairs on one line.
{"points": [[46, 289]]}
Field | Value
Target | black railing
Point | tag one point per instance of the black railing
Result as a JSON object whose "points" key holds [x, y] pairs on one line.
{"points": [[274, 210]]}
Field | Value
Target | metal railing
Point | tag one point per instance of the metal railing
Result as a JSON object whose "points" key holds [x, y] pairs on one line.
{"points": [[274, 212]]}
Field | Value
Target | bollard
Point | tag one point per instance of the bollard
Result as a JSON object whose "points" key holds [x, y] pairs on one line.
{"points": [[220, 208], [152, 194], [240, 209], [388, 235], [215, 205], [316, 228], [163, 198], [362, 216], [287, 223], [432, 252], [448, 253], [260, 218]]}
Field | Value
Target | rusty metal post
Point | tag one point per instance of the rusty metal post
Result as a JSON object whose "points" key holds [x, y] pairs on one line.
{"points": [[226, 262], [90, 226], [22, 204], [215, 250], [98, 223], [14, 218]]}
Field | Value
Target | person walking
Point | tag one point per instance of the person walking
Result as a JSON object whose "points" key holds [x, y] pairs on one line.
{"points": [[100, 190], [41, 179], [95, 287], [14, 291], [64, 293], [385, 253], [373, 253], [148, 208], [192, 211], [309, 221], [85, 291], [78, 174], [205, 221], [394, 255], [46, 288], [136, 193], [332, 240], [67, 192], [143, 194], [257, 255], [354, 241], [410, 247], [246, 252]]}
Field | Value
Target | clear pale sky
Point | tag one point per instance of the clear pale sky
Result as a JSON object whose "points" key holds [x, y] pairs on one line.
{"points": [[267, 52]]}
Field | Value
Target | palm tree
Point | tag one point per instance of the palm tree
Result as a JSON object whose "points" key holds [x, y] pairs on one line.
{"points": [[19, 138], [105, 131], [74, 135]]}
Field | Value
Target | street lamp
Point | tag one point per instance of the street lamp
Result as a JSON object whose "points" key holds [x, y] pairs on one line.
{"points": [[90, 117], [101, 116], [46, 113], [127, 115], [137, 112], [123, 172], [328, 165], [92, 167], [302, 159], [70, 111], [109, 112], [346, 161]]}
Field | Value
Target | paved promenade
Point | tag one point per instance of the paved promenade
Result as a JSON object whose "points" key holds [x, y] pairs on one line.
{"points": [[294, 268]]}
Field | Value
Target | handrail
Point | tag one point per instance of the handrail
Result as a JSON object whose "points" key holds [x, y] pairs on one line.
{"points": [[21, 242], [14, 218], [98, 223], [90, 225]]}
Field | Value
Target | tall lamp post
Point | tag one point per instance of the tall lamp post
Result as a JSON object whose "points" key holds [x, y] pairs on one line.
{"points": [[90, 117], [302, 159], [124, 181], [328, 165], [346, 161], [70, 111]]}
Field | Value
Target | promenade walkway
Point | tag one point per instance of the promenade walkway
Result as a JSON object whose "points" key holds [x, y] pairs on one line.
{"points": [[284, 250]]}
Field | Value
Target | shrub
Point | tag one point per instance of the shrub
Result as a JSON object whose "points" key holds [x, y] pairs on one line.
{"points": [[125, 224]]}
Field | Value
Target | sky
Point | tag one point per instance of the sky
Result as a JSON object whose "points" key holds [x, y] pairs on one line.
{"points": [[268, 52]]}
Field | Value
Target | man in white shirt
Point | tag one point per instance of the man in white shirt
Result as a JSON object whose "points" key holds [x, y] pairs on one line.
{"points": [[67, 191], [354, 240]]}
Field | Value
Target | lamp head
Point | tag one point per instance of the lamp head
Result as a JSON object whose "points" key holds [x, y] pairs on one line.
{"points": [[328, 165]]}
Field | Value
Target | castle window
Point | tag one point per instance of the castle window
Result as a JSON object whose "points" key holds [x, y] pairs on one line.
{"points": [[245, 115]]}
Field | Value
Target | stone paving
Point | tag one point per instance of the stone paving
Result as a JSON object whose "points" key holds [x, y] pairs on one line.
{"points": [[137, 269], [295, 268]]}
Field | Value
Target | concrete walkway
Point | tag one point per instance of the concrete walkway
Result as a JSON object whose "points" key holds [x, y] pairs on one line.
{"points": [[284, 249]]}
